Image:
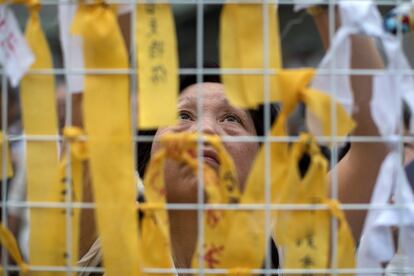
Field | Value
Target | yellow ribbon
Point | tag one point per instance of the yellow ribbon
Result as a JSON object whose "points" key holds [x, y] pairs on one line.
{"points": [[222, 189], [107, 122], [157, 66], [242, 47], [345, 240], [9, 172], [305, 235], [294, 84], [40, 118], [9, 242], [78, 154]]}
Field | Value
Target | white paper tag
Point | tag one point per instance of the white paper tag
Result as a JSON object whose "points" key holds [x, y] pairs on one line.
{"points": [[15, 55]]}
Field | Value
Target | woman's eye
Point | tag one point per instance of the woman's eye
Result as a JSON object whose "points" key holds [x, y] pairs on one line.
{"points": [[184, 116], [231, 118]]}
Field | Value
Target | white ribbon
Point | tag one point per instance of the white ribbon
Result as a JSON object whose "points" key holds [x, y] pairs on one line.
{"points": [[72, 45], [15, 55], [377, 244], [363, 17]]}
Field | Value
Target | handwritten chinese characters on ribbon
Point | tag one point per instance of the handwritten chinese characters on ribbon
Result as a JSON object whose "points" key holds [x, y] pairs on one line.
{"points": [[157, 66]]}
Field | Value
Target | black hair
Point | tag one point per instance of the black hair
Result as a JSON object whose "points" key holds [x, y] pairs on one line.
{"points": [[257, 115]]}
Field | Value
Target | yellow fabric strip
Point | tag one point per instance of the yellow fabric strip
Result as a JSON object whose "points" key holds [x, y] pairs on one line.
{"points": [[156, 241], [9, 171], [108, 125], [345, 240], [304, 235], [242, 47], [40, 118], [221, 188], [78, 154], [157, 66], [294, 84], [9, 242], [308, 246]]}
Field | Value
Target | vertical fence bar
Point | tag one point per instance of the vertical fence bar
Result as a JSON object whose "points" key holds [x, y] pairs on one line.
{"points": [[4, 126], [200, 142], [332, 5], [267, 126], [133, 78]]}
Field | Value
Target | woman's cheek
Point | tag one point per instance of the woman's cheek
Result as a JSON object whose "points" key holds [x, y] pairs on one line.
{"points": [[234, 129], [243, 154]]}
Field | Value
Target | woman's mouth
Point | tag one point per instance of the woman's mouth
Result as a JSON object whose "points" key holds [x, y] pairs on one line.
{"points": [[210, 158]]}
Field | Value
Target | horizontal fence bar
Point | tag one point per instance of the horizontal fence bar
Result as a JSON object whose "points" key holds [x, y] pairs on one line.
{"points": [[207, 206], [222, 71], [223, 271], [252, 139], [194, 2]]}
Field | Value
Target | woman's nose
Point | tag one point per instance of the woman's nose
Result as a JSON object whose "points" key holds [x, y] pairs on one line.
{"points": [[208, 126]]}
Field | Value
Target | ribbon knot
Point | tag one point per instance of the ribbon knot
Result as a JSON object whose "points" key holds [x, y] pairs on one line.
{"points": [[309, 143], [78, 147], [334, 208], [72, 132]]}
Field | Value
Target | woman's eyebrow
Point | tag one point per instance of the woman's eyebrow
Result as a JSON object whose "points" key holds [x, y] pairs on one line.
{"points": [[227, 106], [186, 98], [186, 101]]}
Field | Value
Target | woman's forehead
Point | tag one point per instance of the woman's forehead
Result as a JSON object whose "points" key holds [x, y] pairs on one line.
{"points": [[208, 89]]}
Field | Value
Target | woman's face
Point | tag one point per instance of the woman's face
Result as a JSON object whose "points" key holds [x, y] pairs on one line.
{"points": [[218, 118]]}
